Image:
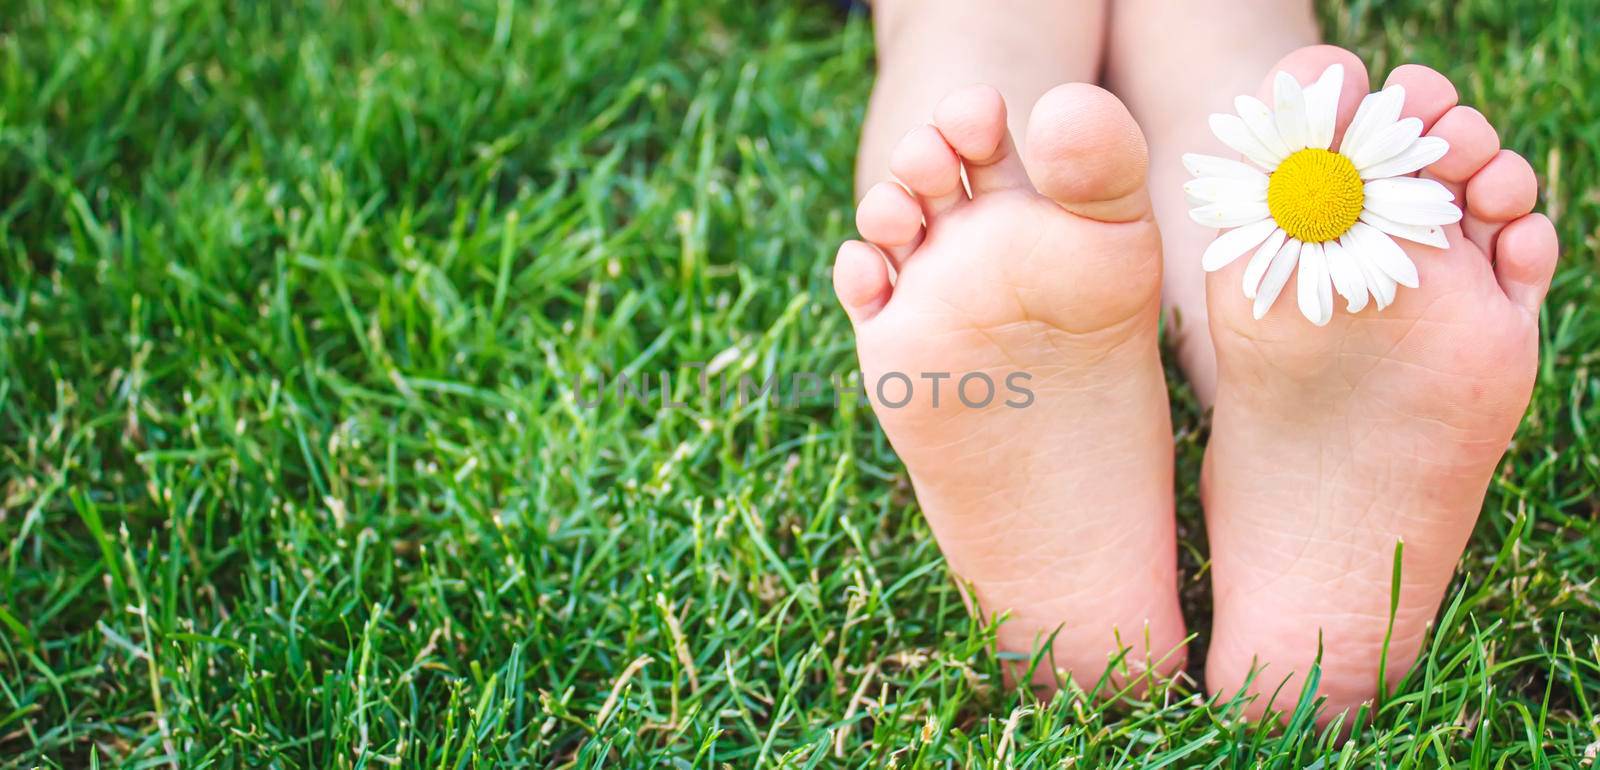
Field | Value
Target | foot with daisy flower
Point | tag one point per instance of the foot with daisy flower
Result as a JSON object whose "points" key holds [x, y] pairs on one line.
{"points": [[1345, 430]]}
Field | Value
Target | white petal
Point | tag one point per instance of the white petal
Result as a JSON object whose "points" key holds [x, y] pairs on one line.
{"points": [[1230, 213], [1232, 244], [1428, 235], [1386, 255], [1289, 111], [1346, 274], [1314, 294], [1277, 275], [1415, 212], [1234, 133], [1322, 105], [1388, 142], [1407, 188], [1325, 289], [1211, 165], [1258, 117], [1376, 111], [1421, 154], [1381, 286], [1257, 266], [1216, 189]]}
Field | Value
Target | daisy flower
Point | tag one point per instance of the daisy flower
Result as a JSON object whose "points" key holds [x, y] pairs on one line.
{"points": [[1334, 214]]}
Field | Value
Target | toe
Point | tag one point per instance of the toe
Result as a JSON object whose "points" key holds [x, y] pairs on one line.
{"points": [[928, 166], [1429, 95], [1472, 143], [891, 219], [1525, 260], [1308, 63], [1503, 190], [973, 121], [1086, 153], [861, 280]]}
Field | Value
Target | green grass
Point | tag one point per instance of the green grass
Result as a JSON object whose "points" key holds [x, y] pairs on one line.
{"points": [[291, 474]]}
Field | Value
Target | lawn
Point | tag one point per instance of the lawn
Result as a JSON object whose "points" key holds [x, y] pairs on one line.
{"points": [[294, 473]]}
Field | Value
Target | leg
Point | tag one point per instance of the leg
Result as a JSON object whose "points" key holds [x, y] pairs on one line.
{"points": [[1173, 74], [926, 48]]}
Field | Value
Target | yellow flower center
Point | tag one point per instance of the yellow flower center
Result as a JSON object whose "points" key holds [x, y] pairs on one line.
{"points": [[1315, 195]]}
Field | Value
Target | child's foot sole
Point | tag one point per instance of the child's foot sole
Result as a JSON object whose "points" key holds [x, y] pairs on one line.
{"points": [[1332, 444], [1055, 507]]}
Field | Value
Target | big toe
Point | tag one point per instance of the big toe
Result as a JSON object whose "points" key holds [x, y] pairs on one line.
{"points": [[1306, 65], [1085, 152]]}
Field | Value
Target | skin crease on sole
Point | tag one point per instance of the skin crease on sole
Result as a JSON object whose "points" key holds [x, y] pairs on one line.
{"points": [[1331, 445], [1058, 513]]}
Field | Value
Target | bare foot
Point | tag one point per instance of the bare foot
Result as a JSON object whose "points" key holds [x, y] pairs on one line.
{"points": [[1058, 512], [1332, 443]]}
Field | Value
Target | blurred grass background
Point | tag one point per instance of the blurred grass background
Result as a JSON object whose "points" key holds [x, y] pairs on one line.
{"points": [[292, 301]]}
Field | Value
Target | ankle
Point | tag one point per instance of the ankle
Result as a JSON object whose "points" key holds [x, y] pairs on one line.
{"points": [[1028, 34]]}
